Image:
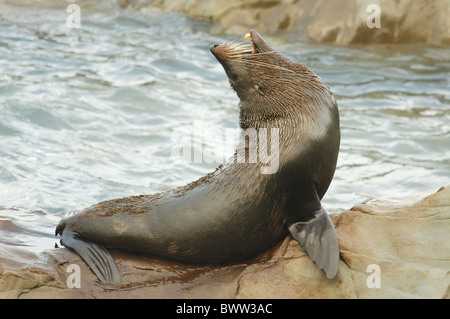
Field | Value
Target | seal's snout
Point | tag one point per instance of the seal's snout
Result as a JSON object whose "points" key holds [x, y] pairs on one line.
{"points": [[213, 50], [220, 52]]}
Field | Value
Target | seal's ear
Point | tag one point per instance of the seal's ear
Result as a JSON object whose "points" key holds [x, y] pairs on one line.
{"points": [[318, 237]]}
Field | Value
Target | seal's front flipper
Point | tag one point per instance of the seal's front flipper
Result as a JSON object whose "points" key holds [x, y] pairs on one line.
{"points": [[318, 237], [95, 255]]}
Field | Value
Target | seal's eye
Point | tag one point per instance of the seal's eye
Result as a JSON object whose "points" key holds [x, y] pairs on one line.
{"points": [[232, 75]]}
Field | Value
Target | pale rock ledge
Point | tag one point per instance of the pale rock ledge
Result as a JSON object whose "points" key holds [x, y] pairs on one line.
{"points": [[332, 21], [402, 244]]}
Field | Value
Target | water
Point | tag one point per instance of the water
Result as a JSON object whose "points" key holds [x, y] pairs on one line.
{"points": [[89, 114]]}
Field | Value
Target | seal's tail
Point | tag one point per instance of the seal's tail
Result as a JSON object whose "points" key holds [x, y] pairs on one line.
{"points": [[95, 255], [318, 238]]}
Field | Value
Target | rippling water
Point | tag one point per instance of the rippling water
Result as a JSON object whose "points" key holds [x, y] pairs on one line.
{"points": [[89, 114]]}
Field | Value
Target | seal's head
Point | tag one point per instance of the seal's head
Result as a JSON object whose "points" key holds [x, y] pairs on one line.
{"points": [[244, 65], [268, 84]]}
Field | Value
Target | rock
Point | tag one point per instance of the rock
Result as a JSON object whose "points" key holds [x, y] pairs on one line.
{"points": [[406, 21], [402, 244]]}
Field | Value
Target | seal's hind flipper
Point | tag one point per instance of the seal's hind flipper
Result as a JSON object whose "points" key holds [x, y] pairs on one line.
{"points": [[318, 237], [95, 255]]}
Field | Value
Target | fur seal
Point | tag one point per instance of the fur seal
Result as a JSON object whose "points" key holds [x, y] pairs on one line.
{"points": [[237, 211]]}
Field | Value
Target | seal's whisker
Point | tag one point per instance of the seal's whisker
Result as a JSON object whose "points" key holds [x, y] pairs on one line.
{"points": [[265, 64], [239, 43], [238, 46], [240, 49], [245, 54]]}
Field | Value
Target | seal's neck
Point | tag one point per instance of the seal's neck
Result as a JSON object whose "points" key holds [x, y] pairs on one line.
{"points": [[306, 116], [297, 98]]}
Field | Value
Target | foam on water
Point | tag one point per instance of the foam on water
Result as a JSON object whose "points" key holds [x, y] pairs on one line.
{"points": [[89, 114]]}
